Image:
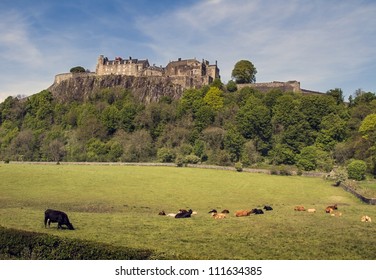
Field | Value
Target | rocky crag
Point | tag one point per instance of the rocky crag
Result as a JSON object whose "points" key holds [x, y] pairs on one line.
{"points": [[147, 89]]}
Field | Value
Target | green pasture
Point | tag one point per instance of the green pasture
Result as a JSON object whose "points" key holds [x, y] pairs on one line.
{"points": [[119, 205]]}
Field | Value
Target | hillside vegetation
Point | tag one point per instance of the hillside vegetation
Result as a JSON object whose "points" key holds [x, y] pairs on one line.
{"points": [[210, 125]]}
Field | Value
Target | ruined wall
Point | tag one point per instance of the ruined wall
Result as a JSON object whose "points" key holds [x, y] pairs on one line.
{"points": [[292, 86]]}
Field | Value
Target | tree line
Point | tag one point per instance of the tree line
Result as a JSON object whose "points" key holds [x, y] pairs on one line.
{"points": [[216, 124]]}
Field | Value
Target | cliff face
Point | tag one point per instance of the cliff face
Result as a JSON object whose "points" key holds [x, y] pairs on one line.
{"points": [[147, 89]]}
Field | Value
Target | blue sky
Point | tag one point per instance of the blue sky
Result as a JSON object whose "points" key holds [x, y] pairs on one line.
{"points": [[323, 44]]}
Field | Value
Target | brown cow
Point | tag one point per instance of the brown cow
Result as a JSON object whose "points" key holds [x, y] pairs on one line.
{"points": [[242, 213], [299, 208]]}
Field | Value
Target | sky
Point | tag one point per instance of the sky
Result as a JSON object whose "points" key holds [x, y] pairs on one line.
{"points": [[322, 44]]}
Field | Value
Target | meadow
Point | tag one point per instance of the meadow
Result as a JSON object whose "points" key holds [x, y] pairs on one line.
{"points": [[119, 205]]}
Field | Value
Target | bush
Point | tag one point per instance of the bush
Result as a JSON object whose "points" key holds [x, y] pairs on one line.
{"points": [[338, 175], [193, 159], [18, 244], [180, 162], [239, 166], [166, 155], [357, 170]]}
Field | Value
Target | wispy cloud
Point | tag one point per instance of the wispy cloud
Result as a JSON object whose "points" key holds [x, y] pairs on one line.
{"points": [[321, 43]]}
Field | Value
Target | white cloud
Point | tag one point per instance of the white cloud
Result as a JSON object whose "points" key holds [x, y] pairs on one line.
{"points": [[320, 43]]}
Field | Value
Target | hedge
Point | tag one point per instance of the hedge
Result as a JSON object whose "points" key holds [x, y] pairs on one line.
{"points": [[19, 244]]}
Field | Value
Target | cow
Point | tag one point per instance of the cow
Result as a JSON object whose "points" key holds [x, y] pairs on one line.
{"points": [[162, 213], [216, 215], [59, 217], [268, 208], [186, 214], [213, 211], [366, 219], [299, 208], [331, 208], [257, 211], [311, 210], [242, 213], [225, 211]]}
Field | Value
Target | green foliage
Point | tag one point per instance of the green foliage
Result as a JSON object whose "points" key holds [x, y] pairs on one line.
{"points": [[166, 155], [357, 170], [25, 245], [219, 126], [239, 166], [192, 159], [231, 86], [214, 98], [244, 72], [368, 126], [307, 158], [77, 69]]}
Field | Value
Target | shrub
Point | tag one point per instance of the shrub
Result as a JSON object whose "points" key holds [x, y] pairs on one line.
{"points": [[357, 170], [166, 155], [180, 162], [239, 166], [338, 175], [18, 244], [193, 159]]}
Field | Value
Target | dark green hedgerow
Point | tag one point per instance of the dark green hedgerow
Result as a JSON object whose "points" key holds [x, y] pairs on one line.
{"points": [[18, 244]]}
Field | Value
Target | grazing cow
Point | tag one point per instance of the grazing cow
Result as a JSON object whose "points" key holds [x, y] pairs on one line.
{"points": [[216, 215], [59, 217], [225, 211], [186, 214], [311, 210], [242, 213], [268, 208], [366, 219], [299, 208]]}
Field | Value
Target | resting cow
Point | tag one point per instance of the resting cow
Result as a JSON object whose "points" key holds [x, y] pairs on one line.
{"points": [[242, 213], [186, 214], [257, 211], [59, 217], [268, 208]]}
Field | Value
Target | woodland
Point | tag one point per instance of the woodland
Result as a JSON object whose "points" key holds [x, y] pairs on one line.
{"points": [[215, 124]]}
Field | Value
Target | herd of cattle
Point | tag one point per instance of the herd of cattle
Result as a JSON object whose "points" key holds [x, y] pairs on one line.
{"points": [[61, 218]]}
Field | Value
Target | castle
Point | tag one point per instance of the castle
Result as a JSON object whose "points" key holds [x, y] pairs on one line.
{"points": [[187, 73], [184, 73]]}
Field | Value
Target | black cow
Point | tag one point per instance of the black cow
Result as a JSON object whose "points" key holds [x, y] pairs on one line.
{"points": [[59, 217], [212, 211], [257, 211], [268, 208], [186, 214]]}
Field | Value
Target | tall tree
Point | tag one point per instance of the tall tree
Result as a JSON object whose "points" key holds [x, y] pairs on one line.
{"points": [[244, 72]]}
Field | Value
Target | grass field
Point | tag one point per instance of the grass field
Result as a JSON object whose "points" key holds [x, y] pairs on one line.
{"points": [[119, 205]]}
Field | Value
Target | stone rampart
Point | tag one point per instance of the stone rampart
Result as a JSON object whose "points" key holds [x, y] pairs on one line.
{"points": [[65, 76]]}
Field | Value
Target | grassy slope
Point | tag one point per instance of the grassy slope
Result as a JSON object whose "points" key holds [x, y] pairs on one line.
{"points": [[119, 205]]}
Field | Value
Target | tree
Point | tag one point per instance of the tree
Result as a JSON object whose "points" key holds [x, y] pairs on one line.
{"points": [[231, 86], [214, 98], [337, 94], [244, 72], [357, 170], [368, 126], [78, 69]]}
